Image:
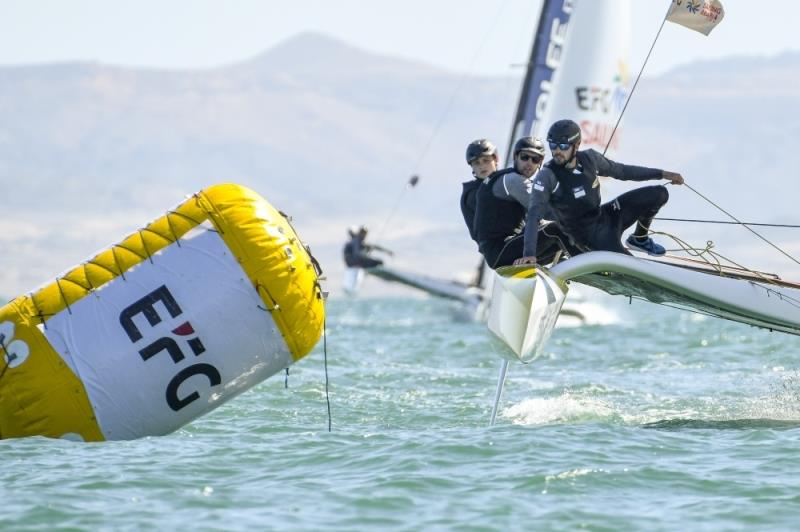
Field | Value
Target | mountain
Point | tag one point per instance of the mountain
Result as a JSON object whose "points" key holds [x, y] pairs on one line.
{"points": [[330, 134]]}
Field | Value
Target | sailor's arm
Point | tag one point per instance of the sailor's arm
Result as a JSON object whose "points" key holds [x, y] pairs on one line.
{"points": [[376, 247], [543, 183], [531, 239], [629, 172]]}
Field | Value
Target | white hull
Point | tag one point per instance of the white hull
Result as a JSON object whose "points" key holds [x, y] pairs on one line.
{"points": [[438, 287], [755, 299]]}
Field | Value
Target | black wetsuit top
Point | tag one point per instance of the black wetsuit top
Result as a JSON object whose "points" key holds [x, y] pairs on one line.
{"points": [[356, 254], [573, 194], [468, 200], [496, 218]]}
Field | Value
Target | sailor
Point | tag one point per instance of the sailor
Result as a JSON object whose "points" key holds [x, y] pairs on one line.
{"points": [[502, 204], [357, 251], [483, 160], [568, 184]]}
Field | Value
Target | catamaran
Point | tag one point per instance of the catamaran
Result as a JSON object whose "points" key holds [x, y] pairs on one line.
{"points": [[582, 74], [527, 300]]}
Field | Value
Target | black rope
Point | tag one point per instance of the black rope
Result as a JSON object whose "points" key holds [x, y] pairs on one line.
{"points": [[64, 297], [175, 236], [445, 114], [489, 32], [740, 222], [116, 261], [6, 356], [791, 226], [286, 379], [325, 351]]}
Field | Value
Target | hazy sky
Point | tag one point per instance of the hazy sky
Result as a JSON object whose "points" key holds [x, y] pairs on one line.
{"points": [[449, 33]]}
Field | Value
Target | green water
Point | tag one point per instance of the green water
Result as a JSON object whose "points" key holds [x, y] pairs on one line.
{"points": [[658, 421]]}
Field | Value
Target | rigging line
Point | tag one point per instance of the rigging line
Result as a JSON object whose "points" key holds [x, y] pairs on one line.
{"points": [[717, 263], [411, 183], [687, 308], [636, 82], [701, 312], [700, 253], [437, 127], [464, 77], [6, 355], [726, 222], [743, 225], [325, 351]]}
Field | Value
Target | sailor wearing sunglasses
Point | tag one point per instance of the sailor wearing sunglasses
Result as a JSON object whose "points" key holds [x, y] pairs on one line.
{"points": [[568, 186], [502, 205]]}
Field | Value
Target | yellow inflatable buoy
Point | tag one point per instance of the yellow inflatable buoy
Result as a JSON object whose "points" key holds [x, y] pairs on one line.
{"points": [[191, 310]]}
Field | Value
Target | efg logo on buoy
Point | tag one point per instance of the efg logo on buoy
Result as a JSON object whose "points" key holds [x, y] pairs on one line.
{"points": [[146, 307], [14, 352]]}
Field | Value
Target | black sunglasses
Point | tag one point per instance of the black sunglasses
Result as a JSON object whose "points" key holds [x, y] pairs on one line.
{"points": [[526, 157], [563, 146]]}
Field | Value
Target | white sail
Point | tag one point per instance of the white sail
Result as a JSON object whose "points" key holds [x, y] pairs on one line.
{"points": [[578, 70]]}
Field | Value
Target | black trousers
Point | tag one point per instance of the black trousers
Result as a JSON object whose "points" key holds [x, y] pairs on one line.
{"points": [[639, 205], [551, 240]]}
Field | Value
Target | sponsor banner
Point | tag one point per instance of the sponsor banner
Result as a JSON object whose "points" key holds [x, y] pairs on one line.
{"points": [[180, 333]]}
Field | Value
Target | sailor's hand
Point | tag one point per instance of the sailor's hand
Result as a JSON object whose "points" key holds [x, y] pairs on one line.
{"points": [[525, 260], [673, 177]]}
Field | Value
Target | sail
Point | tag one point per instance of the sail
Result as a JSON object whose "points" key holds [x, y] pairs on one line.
{"points": [[578, 69], [543, 63]]}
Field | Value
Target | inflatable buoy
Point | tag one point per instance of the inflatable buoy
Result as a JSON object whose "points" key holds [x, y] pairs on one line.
{"points": [[185, 313]]}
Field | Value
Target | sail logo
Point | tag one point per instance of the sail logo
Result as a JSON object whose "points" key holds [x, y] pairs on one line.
{"points": [[603, 104], [184, 332], [14, 352], [693, 6], [605, 99], [594, 98]]}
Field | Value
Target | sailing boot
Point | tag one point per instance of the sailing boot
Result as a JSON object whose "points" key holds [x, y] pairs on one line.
{"points": [[645, 244]]}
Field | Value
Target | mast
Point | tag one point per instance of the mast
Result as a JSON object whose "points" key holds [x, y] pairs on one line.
{"points": [[544, 60]]}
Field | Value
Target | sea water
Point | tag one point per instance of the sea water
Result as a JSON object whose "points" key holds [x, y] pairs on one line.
{"points": [[655, 420]]}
